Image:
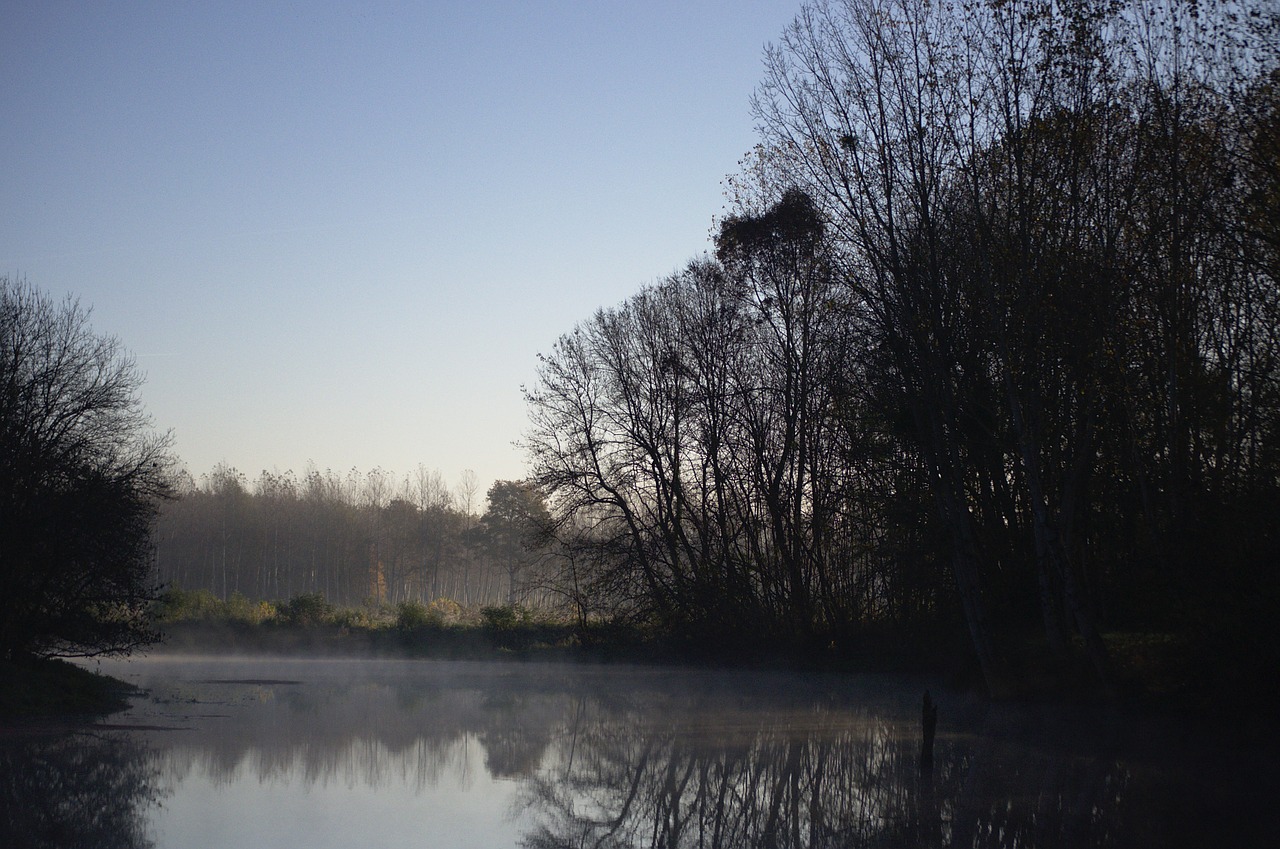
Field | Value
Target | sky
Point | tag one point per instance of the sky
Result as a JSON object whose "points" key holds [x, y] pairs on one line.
{"points": [[339, 234]]}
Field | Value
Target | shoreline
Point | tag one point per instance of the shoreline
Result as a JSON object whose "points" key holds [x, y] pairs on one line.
{"points": [[68, 693], [57, 693]]}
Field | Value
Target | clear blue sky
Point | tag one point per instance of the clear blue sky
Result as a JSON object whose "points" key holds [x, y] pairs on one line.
{"points": [[341, 232]]}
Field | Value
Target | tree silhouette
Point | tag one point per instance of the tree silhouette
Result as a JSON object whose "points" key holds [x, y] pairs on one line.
{"points": [[80, 476]]}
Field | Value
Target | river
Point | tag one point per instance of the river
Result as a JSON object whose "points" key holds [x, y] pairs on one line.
{"points": [[370, 753]]}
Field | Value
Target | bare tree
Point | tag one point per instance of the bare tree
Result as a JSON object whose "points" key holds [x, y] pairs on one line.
{"points": [[81, 473]]}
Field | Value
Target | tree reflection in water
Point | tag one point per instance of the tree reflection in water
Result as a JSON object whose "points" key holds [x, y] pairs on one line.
{"points": [[826, 781], [624, 757], [75, 790]]}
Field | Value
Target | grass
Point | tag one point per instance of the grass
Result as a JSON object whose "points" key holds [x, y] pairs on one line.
{"points": [[195, 621]]}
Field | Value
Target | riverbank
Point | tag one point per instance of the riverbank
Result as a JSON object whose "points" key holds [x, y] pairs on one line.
{"points": [[197, 622], [1152, 673], [533, 639], [58, 689], [1149, 671]]}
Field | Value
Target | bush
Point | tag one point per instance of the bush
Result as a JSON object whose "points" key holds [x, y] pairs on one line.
{"points": [[413, 614], [446, 610], [370, 617], [307, 609], [176, 605], [504, 617], [241, 609]]}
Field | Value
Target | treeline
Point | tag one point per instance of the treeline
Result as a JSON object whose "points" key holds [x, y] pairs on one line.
{"points": [[354, 539], [989, 344]]}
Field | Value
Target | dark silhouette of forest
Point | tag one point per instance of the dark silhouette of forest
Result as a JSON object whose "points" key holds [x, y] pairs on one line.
{"points": [[985, 356], [983, 368], [81, 473], [986, 350]]}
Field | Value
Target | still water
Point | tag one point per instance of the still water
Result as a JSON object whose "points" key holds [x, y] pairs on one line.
{"points": [[371, 753]]}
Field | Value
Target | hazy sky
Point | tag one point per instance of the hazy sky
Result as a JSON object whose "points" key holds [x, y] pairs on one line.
{"points": [[342, 232]]}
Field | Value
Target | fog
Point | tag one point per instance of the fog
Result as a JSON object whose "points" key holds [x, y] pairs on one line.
{"points": [[329, 752]]}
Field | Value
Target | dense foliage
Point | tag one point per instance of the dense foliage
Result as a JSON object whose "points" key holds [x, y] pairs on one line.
{"points": [[80, 476], [990, 341]]}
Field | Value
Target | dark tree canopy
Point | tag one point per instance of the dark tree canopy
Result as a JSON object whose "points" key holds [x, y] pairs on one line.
{"points": [[988, 343], [80, 476]]}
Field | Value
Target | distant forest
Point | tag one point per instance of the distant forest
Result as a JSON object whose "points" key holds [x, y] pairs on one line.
{"points": [[356, 539], [987, 353]]}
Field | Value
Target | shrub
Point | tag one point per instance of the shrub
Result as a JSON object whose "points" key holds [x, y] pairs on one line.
{"points": [[241, 609], [414, 614], [177, 605], [307, 609], [446, 611], [369, 617], [504, 617]]}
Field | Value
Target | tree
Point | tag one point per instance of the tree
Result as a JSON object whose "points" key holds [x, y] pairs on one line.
{"points": [[777, 263], [81, 474], [513, 529], [1038, 208]]}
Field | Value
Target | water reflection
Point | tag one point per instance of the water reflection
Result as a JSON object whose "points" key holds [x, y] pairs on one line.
{"points": [[830, 777], [850, 778], [75, 790], [324, 753]]}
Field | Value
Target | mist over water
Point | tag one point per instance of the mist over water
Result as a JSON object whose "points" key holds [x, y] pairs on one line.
{"points": [[322, 753]]}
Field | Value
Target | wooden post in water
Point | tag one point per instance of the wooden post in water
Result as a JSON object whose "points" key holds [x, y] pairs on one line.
{"points": [[929, 724]]}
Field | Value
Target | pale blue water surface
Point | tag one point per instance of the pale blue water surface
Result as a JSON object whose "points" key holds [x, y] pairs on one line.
{"points": [[371, 753]]}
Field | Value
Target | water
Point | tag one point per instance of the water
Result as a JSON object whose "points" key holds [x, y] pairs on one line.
{"points": [[327, 753]]}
